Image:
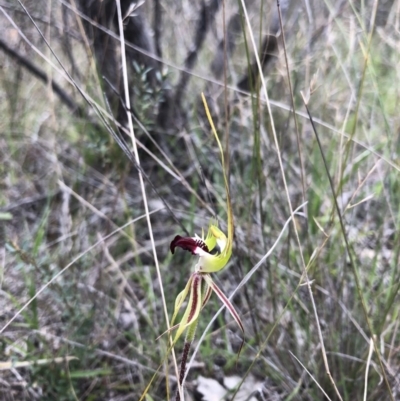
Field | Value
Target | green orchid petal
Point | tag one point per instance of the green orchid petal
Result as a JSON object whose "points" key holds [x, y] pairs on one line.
{"points": [[211, 262], [194, 306], [206, 295], [220, 237], [180, 299], [210, 240]]}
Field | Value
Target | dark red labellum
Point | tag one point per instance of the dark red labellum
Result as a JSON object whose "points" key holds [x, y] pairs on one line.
{"points": [[188, 244]]}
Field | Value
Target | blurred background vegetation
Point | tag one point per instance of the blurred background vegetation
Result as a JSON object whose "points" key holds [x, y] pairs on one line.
{"points": [[71, 203]]}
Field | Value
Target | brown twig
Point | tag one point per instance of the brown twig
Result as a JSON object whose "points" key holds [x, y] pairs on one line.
{"points": [[40, 74], [207, 14], [157, 22]]}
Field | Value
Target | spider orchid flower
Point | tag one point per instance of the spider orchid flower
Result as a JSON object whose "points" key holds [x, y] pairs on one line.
{"points": [[214, 252]]}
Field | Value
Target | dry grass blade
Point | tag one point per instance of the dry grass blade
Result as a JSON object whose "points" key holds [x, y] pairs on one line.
{"points": [[349, 252], [26, 364], [132, 134], [62, 271], [98, 109], [288, 198], [299, 150], [309, 374], [370, 352]]}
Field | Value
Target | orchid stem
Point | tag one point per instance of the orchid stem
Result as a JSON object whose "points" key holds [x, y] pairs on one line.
{"points": [[185, 354], [182, 371]]}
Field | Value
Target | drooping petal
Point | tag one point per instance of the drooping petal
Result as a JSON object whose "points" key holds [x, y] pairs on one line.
{"points": [[206, 296], [207, 278], [181, 298], [193, 308], [195, 245]]}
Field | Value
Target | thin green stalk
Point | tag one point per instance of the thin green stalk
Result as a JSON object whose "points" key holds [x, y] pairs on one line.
{"points": [[302, 169], [350, 254], [185, 354], [359, 96], [254, 87], [288, 198]]}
